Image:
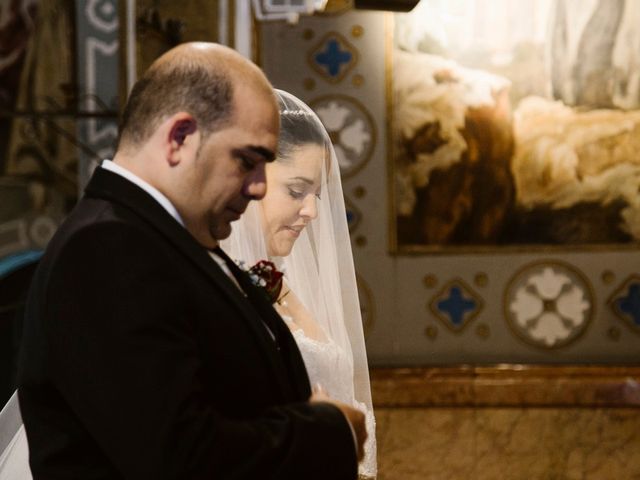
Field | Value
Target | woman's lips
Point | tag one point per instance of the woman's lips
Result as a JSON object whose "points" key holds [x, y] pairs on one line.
{"points": [[295, 230]]}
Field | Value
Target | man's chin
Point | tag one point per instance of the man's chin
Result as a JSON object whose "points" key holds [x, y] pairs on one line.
{"points": [[220, 232]]}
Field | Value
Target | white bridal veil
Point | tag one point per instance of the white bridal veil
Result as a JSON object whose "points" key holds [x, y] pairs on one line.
{"points": [[319, 268]]}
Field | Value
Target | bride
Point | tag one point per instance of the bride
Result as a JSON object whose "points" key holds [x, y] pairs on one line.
{"points": [[301, 226]]}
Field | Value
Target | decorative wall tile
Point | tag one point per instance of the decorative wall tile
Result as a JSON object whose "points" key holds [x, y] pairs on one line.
{"points": [[456, 305], [430, 280], [353, 215], [333, 57], [97, 35], [625, 302], [431, 332], [548, 304], [351, 128]]}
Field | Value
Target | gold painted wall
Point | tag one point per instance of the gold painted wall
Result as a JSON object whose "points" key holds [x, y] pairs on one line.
{"points": [[162, 24]]}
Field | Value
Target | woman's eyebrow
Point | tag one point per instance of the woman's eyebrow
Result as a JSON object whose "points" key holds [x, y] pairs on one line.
{"points": [[303, 179]]}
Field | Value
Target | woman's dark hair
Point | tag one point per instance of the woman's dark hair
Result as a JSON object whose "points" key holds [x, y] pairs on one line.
{"points": [[298, 127]]}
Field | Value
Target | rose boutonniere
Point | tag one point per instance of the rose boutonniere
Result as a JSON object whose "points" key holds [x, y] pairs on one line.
{"points": [[265, 275]]}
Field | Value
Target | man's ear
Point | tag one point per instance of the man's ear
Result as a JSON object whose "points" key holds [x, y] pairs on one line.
{"points": [[182, 126]]}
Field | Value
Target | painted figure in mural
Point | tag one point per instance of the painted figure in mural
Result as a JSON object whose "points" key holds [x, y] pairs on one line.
{"points": [[147, 352], [528, 136], [301, 226], [453, 147]]}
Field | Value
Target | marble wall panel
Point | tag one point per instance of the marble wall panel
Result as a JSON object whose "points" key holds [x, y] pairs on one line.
{"points": [[508, 443]]}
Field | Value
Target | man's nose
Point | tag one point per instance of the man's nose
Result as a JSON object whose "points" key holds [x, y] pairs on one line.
{"points": [[309, 207], [256, 183]]}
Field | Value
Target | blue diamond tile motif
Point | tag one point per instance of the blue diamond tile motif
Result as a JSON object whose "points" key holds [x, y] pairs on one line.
{"points": [[456, 305], [625, 302], [631, 303], [353, 215], [333, 57]]}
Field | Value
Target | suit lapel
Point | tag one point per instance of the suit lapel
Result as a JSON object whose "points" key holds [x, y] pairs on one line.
{"points": [[108, 185], [288, 346]]}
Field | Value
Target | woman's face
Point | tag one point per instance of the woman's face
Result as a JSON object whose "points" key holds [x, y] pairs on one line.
{"points": [[293, 187]]}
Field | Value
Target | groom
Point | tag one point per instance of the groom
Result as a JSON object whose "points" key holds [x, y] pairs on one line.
{"points": [[147, 354]]}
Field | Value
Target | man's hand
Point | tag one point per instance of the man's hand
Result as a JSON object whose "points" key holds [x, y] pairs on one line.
{"points": [[354, 416]]}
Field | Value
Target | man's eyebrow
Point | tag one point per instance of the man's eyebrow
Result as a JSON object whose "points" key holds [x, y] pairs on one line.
{"points": [[268, 155]]}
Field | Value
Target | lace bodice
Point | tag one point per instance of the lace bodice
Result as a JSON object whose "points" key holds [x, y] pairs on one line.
{"points": [[330, 367]]}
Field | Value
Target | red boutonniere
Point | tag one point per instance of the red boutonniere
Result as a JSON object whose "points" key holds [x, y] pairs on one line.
{"points": [[264, 274]]}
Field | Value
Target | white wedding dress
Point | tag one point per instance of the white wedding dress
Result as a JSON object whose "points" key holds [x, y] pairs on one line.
{"points": [[14, 458], [329, 366]]}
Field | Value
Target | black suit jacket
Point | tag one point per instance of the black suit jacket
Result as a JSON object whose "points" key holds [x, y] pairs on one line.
{"points": [[141, 359]]}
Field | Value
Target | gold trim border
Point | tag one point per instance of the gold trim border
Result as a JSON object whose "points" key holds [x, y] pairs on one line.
{"points": [[389, 25], [506, 385]]}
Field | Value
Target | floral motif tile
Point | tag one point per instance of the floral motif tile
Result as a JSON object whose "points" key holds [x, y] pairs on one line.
{"points": [[548, 304], [351, 129]]}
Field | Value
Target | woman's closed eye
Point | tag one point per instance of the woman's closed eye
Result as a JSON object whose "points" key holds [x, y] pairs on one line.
{"points": [[296, 194]]}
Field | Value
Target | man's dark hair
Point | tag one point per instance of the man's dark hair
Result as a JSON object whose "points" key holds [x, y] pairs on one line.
{"points": [[163, 91]]}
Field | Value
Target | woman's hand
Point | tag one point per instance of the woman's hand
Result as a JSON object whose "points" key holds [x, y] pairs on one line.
{"points": [[354, 416]]}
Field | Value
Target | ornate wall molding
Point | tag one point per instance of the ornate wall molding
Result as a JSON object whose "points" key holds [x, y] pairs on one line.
{"points": [[506, 386]]}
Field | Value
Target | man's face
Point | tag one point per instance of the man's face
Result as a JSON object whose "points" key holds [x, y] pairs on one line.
{"points": [[229, 167]]}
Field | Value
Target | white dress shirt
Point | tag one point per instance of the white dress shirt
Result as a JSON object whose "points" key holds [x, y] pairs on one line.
{"points": [[171, 210], [151, 190]]}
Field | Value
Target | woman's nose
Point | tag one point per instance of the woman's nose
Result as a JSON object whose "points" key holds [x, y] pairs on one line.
{"points": [[309, 207]]}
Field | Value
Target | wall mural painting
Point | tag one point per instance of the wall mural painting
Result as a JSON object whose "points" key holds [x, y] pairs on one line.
{"points": [[515, 123], [38, 157]]}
